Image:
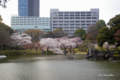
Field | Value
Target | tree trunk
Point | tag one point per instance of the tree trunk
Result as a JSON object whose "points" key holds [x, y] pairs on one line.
{"points": [[1, 47], [102, 48], [36, 50], [70, 50], [65, 50], [47, 49]]}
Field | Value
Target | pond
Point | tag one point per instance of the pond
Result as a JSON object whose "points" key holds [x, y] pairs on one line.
{"points": [[57, 67]]}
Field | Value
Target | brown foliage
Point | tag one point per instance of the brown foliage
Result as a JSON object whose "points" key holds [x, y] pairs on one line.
{"points": [[117, 36], [92, 33], [33, 45]]}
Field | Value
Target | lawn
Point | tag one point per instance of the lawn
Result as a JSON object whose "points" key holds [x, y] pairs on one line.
{"points": [[79, 52]]}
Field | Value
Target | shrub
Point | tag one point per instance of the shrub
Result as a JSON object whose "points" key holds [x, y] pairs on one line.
{"points": [[49, 52]]}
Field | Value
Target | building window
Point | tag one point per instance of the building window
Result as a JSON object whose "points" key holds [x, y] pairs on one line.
{"points": [[60, 24], [60, 21], [88, 24], [66, 12], [77, 12], [77, 17], [77, 21], [35, 26], [94, 18], [77, 27], [71, 24], [66, 27], [61, 27], [71, 12], [66, 21], [71, 21], [82, 17], [82, 24], [55, 17], [60, 17], [88, 17], [71, 17], [94, 21], [88, 12], [54, 24], [54, 21], [83, 27], [66, 24], [82, 21], [88, 21], [54, 27], [66, 17], [82, 12], [60, 12], [55, 12]]}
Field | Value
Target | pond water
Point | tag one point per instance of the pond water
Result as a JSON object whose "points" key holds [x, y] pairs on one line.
{"points": [[57, 67]]}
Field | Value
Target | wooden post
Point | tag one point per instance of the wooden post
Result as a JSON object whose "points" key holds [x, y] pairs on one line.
{"points": [[90, 51]]}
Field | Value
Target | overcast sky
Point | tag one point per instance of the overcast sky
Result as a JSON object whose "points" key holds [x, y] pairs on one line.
{"points": [[107, 8]]}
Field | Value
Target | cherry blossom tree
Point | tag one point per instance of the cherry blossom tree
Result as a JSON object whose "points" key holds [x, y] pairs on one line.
{"points": [[76, 40], [36, 45], [20, 39], [107, 46], [67, 44], [50, 43], [64, 42], [33, 45]]}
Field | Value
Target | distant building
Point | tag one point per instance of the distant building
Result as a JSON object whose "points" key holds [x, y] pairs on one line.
{"points": [[23, 23], [29, 17], [70, 21], [28, 8]]}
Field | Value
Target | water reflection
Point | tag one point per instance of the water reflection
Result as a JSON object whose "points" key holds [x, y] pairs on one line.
{"points": [[56, 67]]}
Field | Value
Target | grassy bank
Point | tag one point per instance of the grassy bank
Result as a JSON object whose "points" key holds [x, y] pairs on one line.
{"points": [[23, 52], [79, 52]]}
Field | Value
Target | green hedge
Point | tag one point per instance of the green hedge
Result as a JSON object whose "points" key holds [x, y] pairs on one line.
{"points": [[20, 52], [49, 52], [23, 52]]}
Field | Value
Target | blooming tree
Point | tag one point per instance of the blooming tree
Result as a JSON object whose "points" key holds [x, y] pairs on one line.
{"points": [[63, 42], [20, 39], [33, 45], [76, 40], [50, 43], [67, 44], [107, 46]]}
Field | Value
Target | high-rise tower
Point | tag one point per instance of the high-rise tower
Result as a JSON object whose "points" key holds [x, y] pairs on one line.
{"points": [[28, 8]]}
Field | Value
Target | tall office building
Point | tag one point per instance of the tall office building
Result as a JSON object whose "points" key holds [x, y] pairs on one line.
{"points": [[70, 21], [28, 8]]}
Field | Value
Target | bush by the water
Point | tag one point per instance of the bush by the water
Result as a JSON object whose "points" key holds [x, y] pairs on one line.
{"points": [[23, 52], [49, 53], [20, 52]]}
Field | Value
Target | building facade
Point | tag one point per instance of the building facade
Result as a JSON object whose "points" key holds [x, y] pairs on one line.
{"points": [[28, 8], [70, 21], [23, 23]]}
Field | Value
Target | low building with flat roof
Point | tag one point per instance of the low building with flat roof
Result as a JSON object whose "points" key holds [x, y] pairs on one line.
{"points": [[24, 23]]}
